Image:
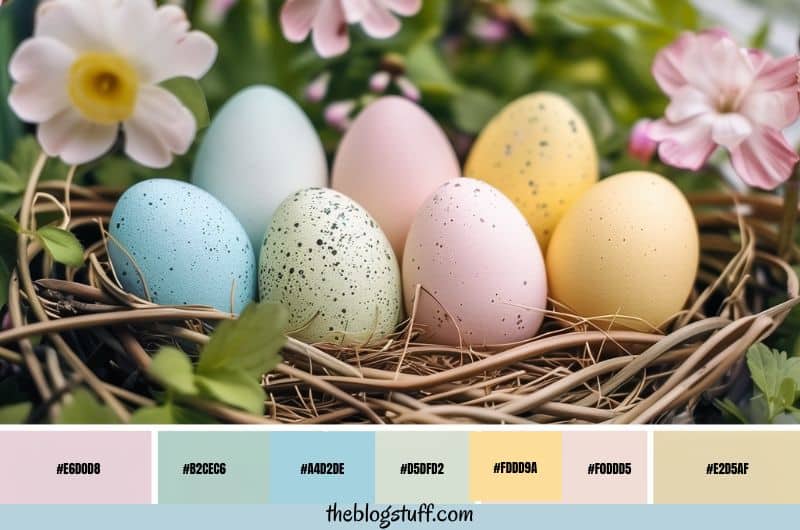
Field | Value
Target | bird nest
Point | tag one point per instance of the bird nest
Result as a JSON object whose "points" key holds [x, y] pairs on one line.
{"points": [[93, 333]]}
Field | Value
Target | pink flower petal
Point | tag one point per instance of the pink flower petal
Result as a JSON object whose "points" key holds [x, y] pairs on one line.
{"points": [[354, 10], [297, 18], [406, 8], [765, 160], [329, 33], [159, 127], [75, 140], [667, 64], [379, 23], [685, 145], [40, 67], [687, 102], [773, 99], [729, 130], [640, 145]]}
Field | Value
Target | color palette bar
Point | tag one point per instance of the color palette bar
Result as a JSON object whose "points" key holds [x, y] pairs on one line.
{"points": [[75, 468], [399, 467]]}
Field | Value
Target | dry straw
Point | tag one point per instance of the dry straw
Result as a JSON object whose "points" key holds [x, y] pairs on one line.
{"points": [[96, 334]]}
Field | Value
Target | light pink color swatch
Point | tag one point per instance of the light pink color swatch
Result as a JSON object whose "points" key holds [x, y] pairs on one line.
{"points": [[28, 474], [582, 449]]}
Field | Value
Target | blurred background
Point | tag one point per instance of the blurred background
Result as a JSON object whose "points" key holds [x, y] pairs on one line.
{"points": [[463, 60]]}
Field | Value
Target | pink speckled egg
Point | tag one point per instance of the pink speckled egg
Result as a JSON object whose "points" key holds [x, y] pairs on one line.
{"points": [[393, 156], [479, 265]]}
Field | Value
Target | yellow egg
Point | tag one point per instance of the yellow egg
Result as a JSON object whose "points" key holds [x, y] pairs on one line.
{"points": [[629, 246], [539, 152]]}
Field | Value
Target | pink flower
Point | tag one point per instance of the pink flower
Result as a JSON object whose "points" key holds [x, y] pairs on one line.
{"points": [[640, 145], [723, 95], [327, 20]]}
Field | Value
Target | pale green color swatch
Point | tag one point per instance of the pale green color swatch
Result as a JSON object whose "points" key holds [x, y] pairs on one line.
{"points": [[246, 458], [393, 449]]}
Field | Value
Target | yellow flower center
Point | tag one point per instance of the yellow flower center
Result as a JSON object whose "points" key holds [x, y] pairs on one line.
{"points": [[103, 87]]}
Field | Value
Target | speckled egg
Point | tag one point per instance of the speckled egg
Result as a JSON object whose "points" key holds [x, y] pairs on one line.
{"points": [[325, 258], [259, 149], [175, 244], [393, 156], [479, 266], [538, 151], [626, 253]]}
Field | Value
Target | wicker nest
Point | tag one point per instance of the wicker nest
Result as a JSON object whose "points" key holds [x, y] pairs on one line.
{"points": [[96, 334]]}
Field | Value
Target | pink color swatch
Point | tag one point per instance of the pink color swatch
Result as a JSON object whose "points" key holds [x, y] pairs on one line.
{"points": [[604, 451], [29, 473]]}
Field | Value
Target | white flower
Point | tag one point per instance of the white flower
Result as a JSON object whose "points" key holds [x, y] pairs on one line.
{"points": [[95, 65]]}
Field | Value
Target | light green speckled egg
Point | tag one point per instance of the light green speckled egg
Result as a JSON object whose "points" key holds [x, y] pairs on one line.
{"points": [[330, 264]]}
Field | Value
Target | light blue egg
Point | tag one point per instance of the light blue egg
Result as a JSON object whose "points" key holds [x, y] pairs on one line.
{"points": [[259, 149], [189, 249]]}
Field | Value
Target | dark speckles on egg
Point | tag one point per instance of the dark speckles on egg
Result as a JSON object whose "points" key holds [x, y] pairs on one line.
{"points": [[351, 299], [179, 238]]}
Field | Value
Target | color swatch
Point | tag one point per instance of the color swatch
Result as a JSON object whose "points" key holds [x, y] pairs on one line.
{"points": [[734, 467], [75, 467], [416, 467], [515, 466], [213, 467], [605, 467], [322, 467]]}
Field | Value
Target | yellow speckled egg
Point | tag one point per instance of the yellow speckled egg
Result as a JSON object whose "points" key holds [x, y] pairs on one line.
{"points": [[629, 246], [539, 152]]}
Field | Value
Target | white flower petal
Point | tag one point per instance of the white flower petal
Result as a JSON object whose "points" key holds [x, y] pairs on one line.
{"points": [[77, 23], [77, 141], [39, 56], [159, 127], [730, 130], [132, 25], [687, 102], [40, 68], [172, 52]]}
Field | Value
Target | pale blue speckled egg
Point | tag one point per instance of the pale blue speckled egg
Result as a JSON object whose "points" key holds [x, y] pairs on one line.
{"points": [[189, 249]]}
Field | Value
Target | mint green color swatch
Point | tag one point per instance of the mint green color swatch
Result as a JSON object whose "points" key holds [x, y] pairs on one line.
{"points": [[431, 452], [246, 474]]}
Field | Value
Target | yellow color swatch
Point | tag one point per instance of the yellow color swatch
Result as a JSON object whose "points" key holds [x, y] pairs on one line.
{"points": [[515, 466], [734, 467]]}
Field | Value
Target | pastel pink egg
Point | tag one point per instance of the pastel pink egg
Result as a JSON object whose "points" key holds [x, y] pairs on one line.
{"points": [[393, 156], [478, 263]]}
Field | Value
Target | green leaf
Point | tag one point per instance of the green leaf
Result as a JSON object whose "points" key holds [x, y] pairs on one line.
{"points": [[191, 94], [169, 414], [86, 409], [63, 246], [731, 409], [759, 38], [10, 181], [234, 387], [14, 414], [427, 70], [8, 224], [775, 376], [250, 344], [472, 109], [173, 369], [611, 13]]}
